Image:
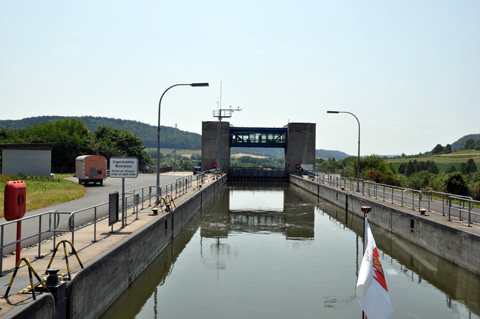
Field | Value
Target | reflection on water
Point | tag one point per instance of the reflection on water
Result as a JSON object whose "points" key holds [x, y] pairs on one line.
{"points": [[275, 251]]}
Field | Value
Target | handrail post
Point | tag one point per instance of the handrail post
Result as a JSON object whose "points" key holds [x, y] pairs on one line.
{"points": [[95, 224], [137, 201], [449, 207], [469, 214], [429, 199], [55, 216], [72, 227], [420, 196], [39, 237], [1, 250], [461, 204], [406, 190], [443, 204], [413, 199]]}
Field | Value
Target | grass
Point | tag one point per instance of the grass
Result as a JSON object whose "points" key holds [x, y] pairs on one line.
{"points": [[186, 153], [43, 191], [443, 161]]}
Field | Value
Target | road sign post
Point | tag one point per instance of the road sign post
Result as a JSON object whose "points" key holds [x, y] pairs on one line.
{"points": [[123, 167]]}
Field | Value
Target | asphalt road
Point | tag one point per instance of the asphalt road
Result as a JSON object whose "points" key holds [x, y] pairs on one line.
{"points": [[95, 195]]}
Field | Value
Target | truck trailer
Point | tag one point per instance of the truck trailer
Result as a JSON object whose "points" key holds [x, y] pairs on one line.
{"points": [[91, 168]]}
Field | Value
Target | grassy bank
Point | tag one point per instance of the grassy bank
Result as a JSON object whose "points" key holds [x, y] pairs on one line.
{"points": [[43, 191], [443, 161]]}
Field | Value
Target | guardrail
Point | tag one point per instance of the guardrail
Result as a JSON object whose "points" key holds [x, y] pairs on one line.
{"points": [[406, 197], [460, 201], [53, 223], [50, 218]]}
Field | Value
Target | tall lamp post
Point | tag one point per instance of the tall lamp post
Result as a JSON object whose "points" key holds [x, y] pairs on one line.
{"points": [[158, 131], [358, 157]]}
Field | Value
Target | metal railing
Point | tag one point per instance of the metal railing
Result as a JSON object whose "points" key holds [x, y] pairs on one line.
{"points": [[48, 222], [417, 200], [459, 202], [53, 223]]}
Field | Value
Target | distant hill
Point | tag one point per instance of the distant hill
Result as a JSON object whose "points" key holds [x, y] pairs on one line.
{"points": [[147, 133], [461, 141], [326, 154]]}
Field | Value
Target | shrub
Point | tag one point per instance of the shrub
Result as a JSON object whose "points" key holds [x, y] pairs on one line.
{"points": [[455, 183]]}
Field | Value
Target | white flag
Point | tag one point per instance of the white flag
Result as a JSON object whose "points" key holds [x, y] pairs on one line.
{"points": [[372, 293]]}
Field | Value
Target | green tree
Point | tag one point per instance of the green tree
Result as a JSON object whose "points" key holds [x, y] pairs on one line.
{"points": [[476, 191], [447, 149], [420, 180], [469, 144], [451, 169], [71, 136], [477, 146], [470, 166], [455, 183], [432, 167], [115, 142], [437, 149], [377, 169], [411, 167]]}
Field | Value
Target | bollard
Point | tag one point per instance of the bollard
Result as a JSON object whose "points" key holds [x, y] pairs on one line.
{"points": [[58, 289]]}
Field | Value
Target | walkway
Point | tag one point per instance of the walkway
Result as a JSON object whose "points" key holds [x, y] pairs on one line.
{"points": [[87, 250], [435, 210]]}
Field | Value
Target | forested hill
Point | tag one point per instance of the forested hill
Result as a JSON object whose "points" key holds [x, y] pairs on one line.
{"points": [[147, 133], [461, 141]]}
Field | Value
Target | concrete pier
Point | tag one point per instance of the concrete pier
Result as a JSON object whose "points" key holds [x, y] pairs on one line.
{"points": [[452, 240], [111, 264]]}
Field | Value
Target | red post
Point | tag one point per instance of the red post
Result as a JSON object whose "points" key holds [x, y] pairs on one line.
{"points": [[14, 207], [19, 235]]}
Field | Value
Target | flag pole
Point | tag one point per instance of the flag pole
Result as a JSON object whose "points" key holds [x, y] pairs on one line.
{"points": [[365, 210]]}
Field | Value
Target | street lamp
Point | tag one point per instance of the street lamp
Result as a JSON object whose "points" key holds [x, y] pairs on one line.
{"points": [[358, 157], [158, 132]]}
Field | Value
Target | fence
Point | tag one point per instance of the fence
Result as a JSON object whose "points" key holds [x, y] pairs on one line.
{"points": [[451, 204], [52, 223]]}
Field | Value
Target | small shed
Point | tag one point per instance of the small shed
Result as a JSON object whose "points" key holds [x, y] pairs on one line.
{"points": [[27, 158]]}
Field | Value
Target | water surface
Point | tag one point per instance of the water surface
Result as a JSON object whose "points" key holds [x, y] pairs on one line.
{"points": [[276, 251]]}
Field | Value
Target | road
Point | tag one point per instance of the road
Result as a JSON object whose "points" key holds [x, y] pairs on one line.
{"points": [[95, 195]]}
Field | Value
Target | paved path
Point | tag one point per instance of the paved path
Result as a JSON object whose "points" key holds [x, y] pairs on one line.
{"points": [[95, 195]]}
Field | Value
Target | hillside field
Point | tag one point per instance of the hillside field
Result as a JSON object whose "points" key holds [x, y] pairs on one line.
{"points": [[180, 153], [443, 161]]}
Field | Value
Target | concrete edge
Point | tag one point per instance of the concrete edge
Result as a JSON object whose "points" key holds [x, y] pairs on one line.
{"points": [[452, 244]]}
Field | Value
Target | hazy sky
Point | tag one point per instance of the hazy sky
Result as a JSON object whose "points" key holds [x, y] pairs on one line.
{"points": [[409, 70]]}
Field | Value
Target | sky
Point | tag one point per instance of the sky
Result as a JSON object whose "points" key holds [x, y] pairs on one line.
{"points": [[408, 70]]}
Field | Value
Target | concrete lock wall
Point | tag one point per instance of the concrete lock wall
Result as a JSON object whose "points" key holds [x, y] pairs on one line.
{"points": [[450, 243], [43, 307], [300, 150], [102, 281], [210, 131]]}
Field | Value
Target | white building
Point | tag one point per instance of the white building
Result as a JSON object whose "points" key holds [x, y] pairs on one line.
{"points": [[27, 159]]}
